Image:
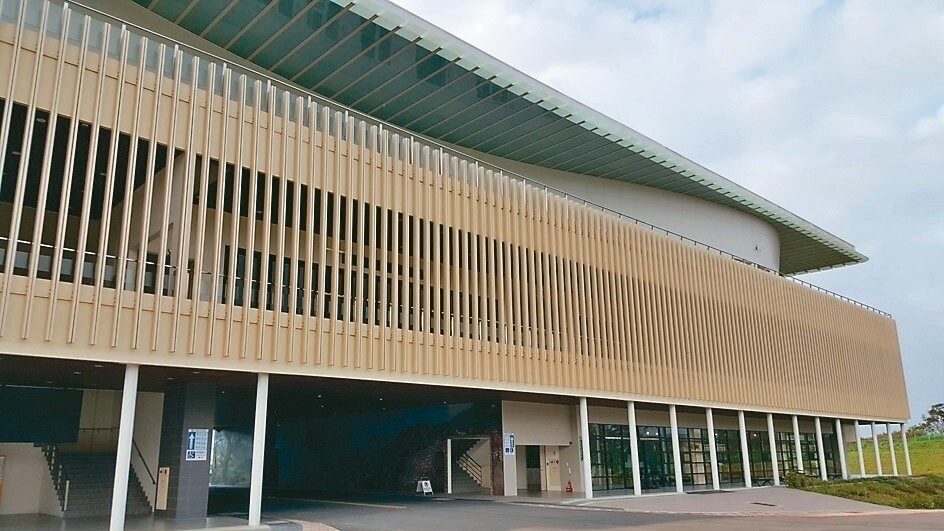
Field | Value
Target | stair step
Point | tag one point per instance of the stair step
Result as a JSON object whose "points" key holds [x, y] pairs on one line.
{"points": [[91, 479]]}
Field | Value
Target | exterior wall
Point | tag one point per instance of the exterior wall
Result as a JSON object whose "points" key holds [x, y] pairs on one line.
{"points": [[557, 298], [543, 424], [723, 228], [27, 485]]}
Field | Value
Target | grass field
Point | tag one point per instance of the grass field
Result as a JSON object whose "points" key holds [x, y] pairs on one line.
{"points": [[923, 492], [927, 456]]}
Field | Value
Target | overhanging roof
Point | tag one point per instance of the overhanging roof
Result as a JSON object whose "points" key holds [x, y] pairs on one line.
{"points": [[386, 62]]}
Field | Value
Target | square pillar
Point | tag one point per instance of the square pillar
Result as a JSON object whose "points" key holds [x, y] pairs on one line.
{"points": [[891, 448], [820, 453], [712, 449], [842, 451], [676, 452], [772, 441], [584, 427], [745, 451], [859, 449], [904, 444], [634, 447], [797, 447], [878, 456], [187, 406]]}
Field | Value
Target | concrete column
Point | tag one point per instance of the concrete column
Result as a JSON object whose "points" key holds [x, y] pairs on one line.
{"points": [[676, 451], [842, 451], [119, 492], [797, 447], [878, 456], [772, 441], [859, 450], [745, 451], [634, 447], [891, 448], [189, 408], [258, 449], [904, 444], [712, 449], [820, 453], [585, 449], [448, 466]]}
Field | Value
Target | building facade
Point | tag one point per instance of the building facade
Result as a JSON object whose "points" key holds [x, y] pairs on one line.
{"points": [[342, 200]]}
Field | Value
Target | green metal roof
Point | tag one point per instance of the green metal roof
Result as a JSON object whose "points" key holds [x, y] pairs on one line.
{"points": [[384, 61]]}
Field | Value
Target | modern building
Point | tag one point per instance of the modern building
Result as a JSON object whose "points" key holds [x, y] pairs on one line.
{"points": [[324, 244]]}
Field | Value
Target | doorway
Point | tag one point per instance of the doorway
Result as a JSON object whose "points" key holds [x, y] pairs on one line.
{"points": [[532, 459]]}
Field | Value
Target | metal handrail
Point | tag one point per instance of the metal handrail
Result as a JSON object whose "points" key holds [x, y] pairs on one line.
{"points": [[471, 466], [143, 462], [349, 111], [170, 269]]}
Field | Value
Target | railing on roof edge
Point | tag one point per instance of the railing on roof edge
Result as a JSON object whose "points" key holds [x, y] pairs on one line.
{"points": [[262, 75]]}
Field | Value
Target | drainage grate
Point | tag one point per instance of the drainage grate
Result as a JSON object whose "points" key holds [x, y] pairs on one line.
{"points": [[764, 504]]}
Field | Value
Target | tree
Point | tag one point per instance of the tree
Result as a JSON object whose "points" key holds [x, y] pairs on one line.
{"points": [[932, 422]]}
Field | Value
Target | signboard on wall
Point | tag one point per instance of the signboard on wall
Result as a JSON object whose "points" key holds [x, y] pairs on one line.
{"points": [[509, 444], [198, 440]]}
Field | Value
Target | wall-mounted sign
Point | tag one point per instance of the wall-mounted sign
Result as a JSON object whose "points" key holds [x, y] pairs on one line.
{"points": [[509, 444], [198, 440]]}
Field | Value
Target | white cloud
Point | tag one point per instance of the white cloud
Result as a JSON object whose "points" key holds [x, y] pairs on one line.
{"points": [[930, 125]]}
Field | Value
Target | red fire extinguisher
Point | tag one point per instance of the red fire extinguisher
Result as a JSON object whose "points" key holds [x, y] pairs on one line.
{"points": [[569, 487]]}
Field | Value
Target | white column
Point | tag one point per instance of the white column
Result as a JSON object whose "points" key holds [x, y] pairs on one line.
{"points": [[449, 466], [891, 448], [772, 441], [904, 444], [119, 492], [843, 469], [797, 447], [585, 449], [676, 452], [820, 454], [634, 447], [878, 456], [745, 452], [859, 450], [712, 449], [258, 449]]}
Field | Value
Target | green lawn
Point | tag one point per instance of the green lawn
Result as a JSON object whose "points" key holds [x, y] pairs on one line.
{"points": [[921, 492], [927, 456], [925, 490]]}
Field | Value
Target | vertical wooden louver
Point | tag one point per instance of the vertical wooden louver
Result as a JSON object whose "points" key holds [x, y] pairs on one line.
{"points": [[196, 216]]}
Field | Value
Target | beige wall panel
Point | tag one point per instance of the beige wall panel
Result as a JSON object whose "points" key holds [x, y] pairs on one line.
{"points": [[570, 300]]}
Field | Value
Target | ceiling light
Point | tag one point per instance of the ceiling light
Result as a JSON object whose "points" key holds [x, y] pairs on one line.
{"points": [[41, 120], [98, 365], [76, 372], [196, 372], [16, 153], [170, 377]]}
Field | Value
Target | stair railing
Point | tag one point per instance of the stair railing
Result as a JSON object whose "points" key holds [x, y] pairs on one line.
{"points": [[143, 462], [472, 467], [60, 479]]}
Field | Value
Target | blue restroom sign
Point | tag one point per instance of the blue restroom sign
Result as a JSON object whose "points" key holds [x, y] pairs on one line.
{"points": [[197, 443]]}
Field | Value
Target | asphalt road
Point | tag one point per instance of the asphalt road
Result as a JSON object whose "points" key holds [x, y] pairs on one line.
{"points": [[408, 513]]}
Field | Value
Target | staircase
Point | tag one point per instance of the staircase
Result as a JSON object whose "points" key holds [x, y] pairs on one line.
{"points": [[468, 476], [84, 483]]}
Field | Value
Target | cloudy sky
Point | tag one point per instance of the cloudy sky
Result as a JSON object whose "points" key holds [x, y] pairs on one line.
{"points": [[834, 110]]}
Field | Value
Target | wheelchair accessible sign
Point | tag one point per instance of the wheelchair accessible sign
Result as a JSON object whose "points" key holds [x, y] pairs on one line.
{"points": [[197, 443]]}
